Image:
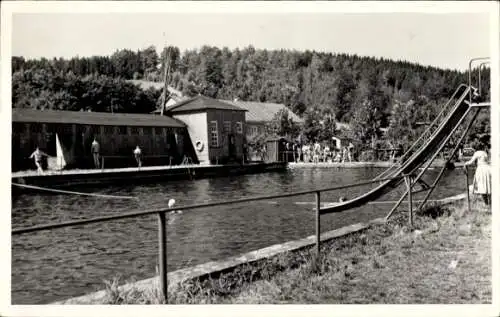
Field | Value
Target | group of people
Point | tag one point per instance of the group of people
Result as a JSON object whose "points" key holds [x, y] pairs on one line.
{"points": [[38, 156], [316, 152], [95, 148]]}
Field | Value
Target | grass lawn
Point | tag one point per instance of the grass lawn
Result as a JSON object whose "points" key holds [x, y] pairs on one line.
{"points": [[445, 260]]}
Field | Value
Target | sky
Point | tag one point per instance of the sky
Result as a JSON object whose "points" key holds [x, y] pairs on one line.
{"points": [[441, 40]]}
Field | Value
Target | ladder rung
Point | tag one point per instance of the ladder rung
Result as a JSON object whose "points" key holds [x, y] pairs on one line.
{"points": [[421, 190], [481, 105]]}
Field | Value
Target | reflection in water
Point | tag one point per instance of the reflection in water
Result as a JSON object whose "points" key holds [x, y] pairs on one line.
{"points": [[52, 265]]}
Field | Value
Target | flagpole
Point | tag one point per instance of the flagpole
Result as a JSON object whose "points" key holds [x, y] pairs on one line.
{"points": [[166, 68]]}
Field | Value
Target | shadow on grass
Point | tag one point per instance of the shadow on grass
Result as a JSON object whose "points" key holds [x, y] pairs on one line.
{"points": [[302, 277]]}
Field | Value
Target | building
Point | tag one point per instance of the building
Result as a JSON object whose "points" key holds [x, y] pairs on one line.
{"points": [[200, 130], [66, 136], [277, 151], [261, 113], [215, 128], [257, 116]]}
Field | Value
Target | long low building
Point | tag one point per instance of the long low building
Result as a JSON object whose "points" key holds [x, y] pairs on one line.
{"points": [[199, 130], [66, 136]]}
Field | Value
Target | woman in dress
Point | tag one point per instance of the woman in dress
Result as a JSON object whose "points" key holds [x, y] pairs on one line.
{"points": [[482, 177]]}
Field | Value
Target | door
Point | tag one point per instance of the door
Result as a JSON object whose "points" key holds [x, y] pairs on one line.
{"points": [[232, 147]]}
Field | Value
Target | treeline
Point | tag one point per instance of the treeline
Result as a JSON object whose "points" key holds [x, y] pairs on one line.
{"points": [[371, 94], [43, 89]]}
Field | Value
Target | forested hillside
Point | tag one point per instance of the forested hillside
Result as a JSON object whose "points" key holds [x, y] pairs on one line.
{"points": [[368, 93]]}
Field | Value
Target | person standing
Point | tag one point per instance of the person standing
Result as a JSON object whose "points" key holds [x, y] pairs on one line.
{"points": [[345, 154], [138, 156], [245, 152], [38, 155], [350, 151], [326, 153], [294, 152], [95, 152], [482, 176], [305, 153]]}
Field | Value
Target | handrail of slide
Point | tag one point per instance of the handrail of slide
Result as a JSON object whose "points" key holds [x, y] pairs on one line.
{"points": [[445, 121], [432, 145], [422, 136]]}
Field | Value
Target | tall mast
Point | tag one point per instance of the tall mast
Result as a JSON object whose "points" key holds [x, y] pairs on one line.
{"points": [[166, 73]]}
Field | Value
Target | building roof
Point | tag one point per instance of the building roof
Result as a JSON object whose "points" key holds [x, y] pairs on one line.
{"points": [[200, 103], [262, 111], [94, 118]]}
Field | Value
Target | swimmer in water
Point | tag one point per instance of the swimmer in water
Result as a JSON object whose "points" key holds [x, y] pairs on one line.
{"points": [[171, 203]]}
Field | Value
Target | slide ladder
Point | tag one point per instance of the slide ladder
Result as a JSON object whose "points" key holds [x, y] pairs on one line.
{"points": [[424, 150]]}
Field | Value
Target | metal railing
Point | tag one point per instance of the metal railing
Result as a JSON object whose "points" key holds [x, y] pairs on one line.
{"points": [[471, 62], [162, 234], [438, 120]]}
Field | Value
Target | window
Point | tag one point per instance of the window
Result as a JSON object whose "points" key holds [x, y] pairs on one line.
{"points": [[239, 127], [95, 129], [122, 130], [227, 126], [134, 130], [35, 128], [214, 134], [18, 127], [109, 130], [254, 130], [80, 129]]}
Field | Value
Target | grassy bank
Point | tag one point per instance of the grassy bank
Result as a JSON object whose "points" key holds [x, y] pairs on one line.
{"points": [[445, 260]]}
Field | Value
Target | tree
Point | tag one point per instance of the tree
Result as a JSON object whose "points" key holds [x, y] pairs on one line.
{"points": [[149, 60], [366, 122], [311, 127], [283, 125], [125, 63], [328, 127], [402, 127]]}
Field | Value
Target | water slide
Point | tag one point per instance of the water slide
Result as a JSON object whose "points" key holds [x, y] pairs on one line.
{"points": [[417, 155]]}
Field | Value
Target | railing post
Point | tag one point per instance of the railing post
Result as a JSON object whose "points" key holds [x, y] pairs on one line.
{"points": [[318, 224], [102, 163], [410, 200], [467, 187], [162, 254]]}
